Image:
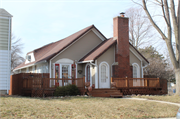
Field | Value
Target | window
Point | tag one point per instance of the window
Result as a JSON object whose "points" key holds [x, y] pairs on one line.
{"points": [[88, 73], [135, 72], [65, 71], [103, 73], [29, 57]]}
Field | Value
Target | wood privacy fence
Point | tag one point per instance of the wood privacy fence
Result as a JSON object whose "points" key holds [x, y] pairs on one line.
{"points": [[16, 81], [136, 82], [38, 85]]}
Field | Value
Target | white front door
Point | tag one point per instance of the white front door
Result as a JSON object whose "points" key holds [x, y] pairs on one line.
{"points": [[104, 80]]}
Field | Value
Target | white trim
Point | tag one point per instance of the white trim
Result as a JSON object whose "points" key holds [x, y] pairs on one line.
{"points": [[30, 65], [142, 75], [50, 69], [54, 72], [9, 61], [27, 70], [135, 54], [138, 69], [5, 17], [33, 69], [32, 58], [76, 69], [103, 62], [98, 34], [96, 75], [65, 61], [85, 61], [91, 75], [89, 72]]}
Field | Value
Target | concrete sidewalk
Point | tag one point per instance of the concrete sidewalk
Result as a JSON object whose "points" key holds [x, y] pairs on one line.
{"points": [[177, 104], [171, 103]]}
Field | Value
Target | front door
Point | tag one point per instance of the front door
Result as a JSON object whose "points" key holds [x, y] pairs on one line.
{"points": [[104, 76], [66, 73]]}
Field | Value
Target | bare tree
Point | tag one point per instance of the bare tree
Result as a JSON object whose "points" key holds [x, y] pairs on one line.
{"points": [[139, 27], [168, 13], [16, 51]]}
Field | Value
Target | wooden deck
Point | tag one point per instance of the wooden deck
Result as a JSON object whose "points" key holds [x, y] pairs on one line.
{"points": [[40, 86]]}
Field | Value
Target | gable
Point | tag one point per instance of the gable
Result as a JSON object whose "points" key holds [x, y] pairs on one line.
{"points": [[80, 48]]}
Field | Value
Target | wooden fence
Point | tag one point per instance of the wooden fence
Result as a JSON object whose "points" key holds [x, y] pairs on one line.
{"points": [[136, 82], [16, 81]]}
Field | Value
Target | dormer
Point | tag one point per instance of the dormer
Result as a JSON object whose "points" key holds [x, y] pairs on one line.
{"points": [[30, 58]]}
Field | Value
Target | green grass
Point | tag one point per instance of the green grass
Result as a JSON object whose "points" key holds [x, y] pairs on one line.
{"points": [[174, 99], [83, 107]]}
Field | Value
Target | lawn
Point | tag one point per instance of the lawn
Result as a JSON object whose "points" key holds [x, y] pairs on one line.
{"points": [[175, 99], [83, 107]]}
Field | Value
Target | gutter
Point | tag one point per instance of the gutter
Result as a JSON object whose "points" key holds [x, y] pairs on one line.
{"points": [[31, 65]]}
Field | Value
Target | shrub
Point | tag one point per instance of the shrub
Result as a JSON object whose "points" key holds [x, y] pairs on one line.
{"points": [[70, 90]]}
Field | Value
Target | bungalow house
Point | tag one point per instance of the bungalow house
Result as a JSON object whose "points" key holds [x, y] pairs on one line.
{"points": [[89, 53], [5, 50]]}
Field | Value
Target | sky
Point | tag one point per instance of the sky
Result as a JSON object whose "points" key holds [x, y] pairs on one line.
{"points": [[40, 22]]}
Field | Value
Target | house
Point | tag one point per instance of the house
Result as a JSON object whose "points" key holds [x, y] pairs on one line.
{"points": [[5, 50], [89, 53]]}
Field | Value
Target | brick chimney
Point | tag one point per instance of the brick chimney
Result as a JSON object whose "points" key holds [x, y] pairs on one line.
{"points": [[122, 67]]}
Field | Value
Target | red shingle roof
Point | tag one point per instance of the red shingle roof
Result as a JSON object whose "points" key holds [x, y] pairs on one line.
{"points": [[48, 51]]}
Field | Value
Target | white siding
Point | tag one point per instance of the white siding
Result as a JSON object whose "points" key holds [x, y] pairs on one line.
{"points": [[5, 52], [4, 70]]}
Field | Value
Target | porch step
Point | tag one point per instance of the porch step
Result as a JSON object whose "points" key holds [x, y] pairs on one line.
{"points": [[106, 93]]}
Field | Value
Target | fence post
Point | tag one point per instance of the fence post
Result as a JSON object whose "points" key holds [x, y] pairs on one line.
{"points": [[158, 82]]}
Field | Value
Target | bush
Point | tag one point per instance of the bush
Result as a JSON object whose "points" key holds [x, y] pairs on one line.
{"points": [[70, 90]]}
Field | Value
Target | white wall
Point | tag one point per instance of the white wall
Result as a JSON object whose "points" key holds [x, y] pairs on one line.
{"points": [[5, 53]]}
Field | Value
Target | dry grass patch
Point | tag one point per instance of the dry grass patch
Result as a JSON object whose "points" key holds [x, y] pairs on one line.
{"points": [[175, 99], [81, 107]]}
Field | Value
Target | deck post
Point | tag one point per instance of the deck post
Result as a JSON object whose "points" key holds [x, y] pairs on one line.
{"points": [[127, 81], [111, 82], [158, 82]]}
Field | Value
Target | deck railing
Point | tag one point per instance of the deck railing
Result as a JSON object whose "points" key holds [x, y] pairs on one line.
{"points": [[136, 82], [51, 83]]}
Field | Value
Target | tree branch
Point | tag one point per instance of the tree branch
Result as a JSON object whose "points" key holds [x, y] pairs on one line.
{"points": [[152, 21]]}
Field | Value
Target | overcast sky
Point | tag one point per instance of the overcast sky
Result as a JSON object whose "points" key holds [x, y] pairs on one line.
{"points": [[39, 22]]}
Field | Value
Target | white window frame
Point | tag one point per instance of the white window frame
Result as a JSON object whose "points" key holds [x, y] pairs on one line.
{"points": [[90, 73], [138, 69]]}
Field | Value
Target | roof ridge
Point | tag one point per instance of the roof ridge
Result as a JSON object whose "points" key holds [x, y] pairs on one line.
{"points": [[88, 28]]}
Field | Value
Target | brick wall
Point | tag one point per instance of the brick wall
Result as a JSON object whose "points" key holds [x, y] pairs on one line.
{"points": [[121, 33]]}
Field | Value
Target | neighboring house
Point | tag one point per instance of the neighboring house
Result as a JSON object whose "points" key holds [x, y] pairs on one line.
{"points": [[5, 50], [89, 53]]}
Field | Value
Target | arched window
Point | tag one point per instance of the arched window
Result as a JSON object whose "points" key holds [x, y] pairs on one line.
{"points": [[136, 70], [88, 73], [103, 73]]}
